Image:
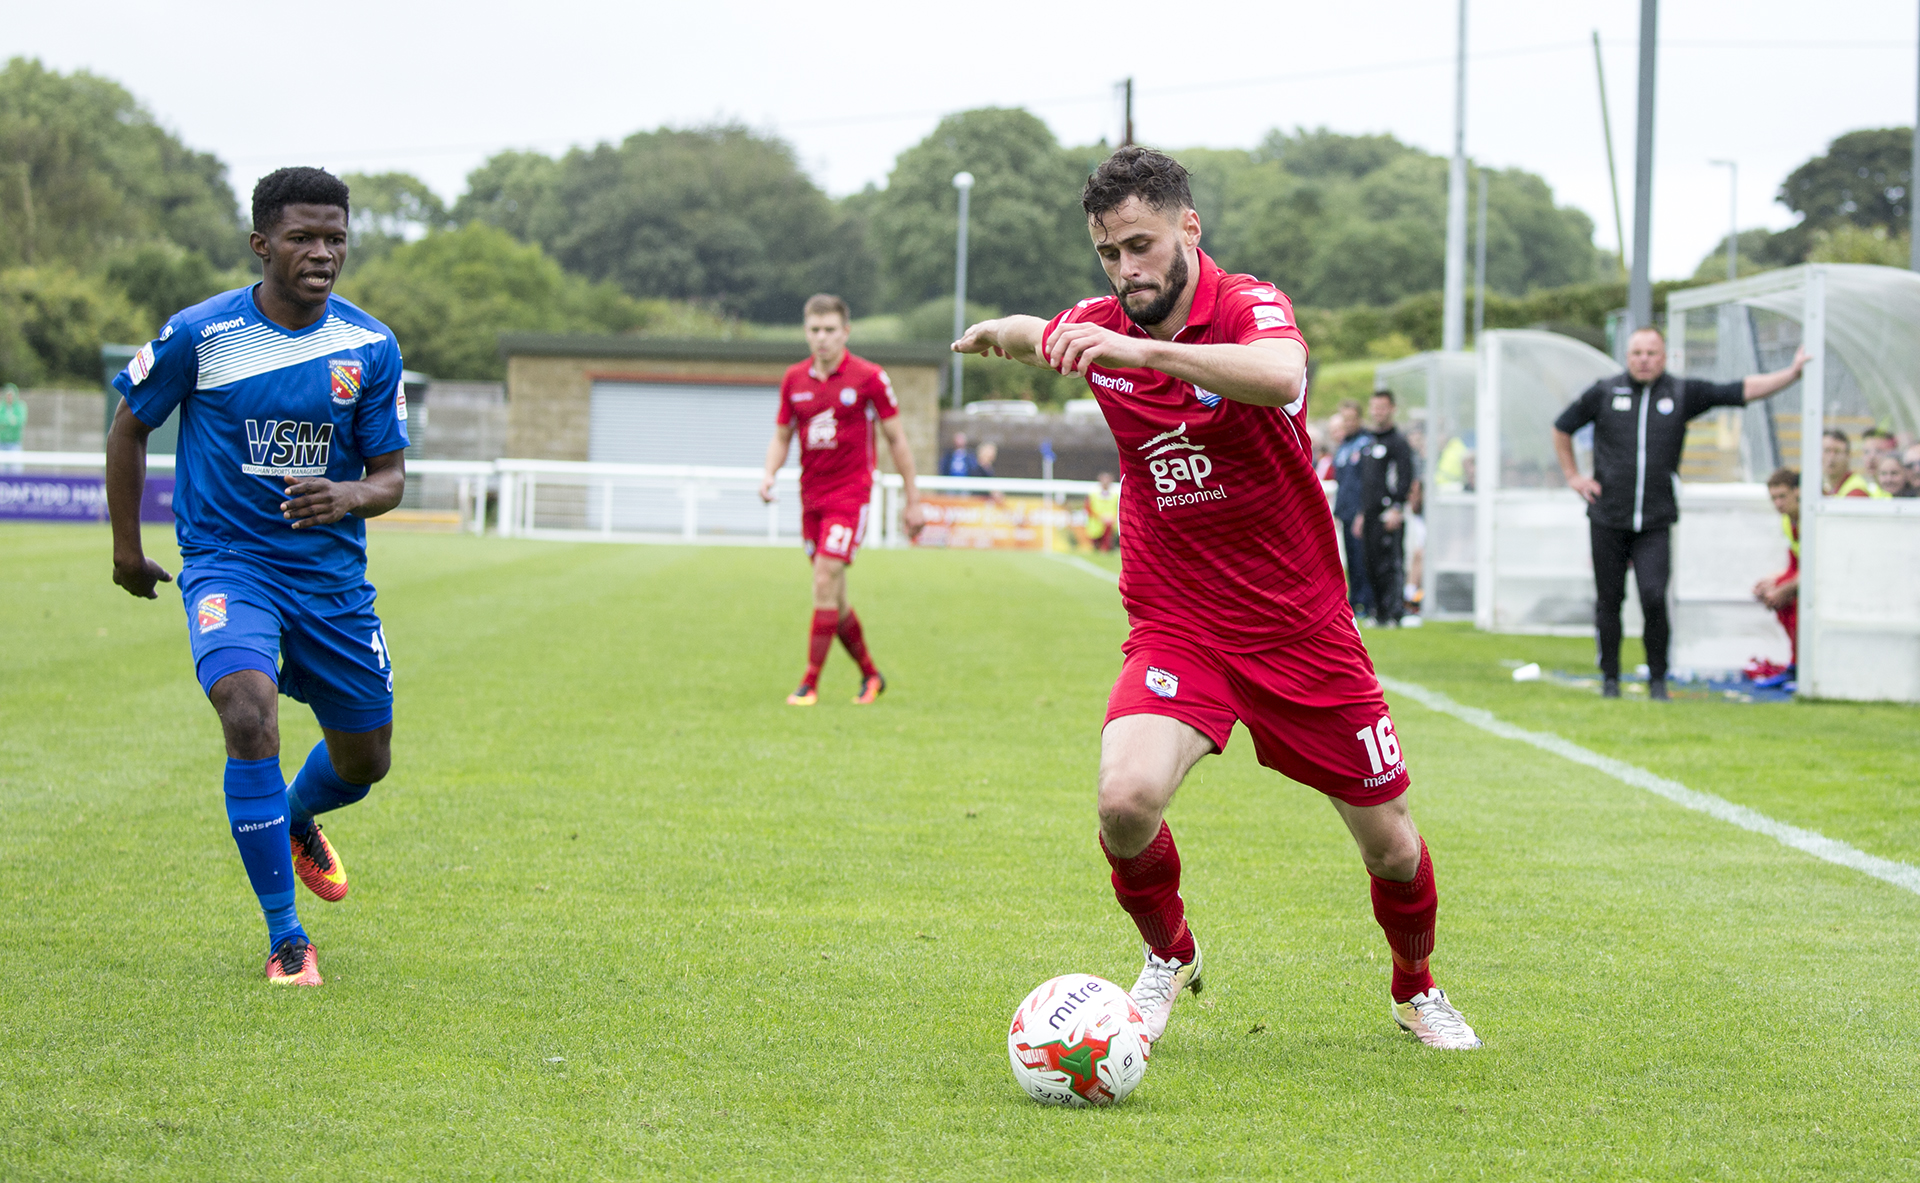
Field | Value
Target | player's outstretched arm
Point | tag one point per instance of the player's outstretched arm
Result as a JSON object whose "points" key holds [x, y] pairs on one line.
{"points": [[316, 501], [126, 480], [1268, 373], [1017, 337]]}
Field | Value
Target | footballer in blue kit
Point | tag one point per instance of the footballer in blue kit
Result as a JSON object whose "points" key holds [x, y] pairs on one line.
{"points": [[292, 431]]}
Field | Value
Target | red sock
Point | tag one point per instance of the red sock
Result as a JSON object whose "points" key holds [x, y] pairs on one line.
{"points": [[1406, 912], [856, 644], [820, 642], [1148, 887]]}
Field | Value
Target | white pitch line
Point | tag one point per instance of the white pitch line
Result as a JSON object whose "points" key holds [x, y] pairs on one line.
{"points": [[1818, 845]]}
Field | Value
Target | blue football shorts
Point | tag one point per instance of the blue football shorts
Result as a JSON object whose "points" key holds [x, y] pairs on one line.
{"points": [[326, 649]]}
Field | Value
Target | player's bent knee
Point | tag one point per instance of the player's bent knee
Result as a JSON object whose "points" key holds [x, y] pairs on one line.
{"points": [[1129, 802], [249, 712]]}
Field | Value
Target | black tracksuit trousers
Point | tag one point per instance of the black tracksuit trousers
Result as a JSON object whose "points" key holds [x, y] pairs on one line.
{"points": [[1649, 554]]}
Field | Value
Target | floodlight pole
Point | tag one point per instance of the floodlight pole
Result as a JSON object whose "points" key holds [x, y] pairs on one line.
{"points": [[1126, 127], [964, 183], [1640, 285], [1613, 175], [1733, 216], [1453, 312], [1913, 187], [1480, 265]]}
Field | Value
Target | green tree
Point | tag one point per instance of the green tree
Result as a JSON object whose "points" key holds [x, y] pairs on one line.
{"points": [[85, 171], [160, 279], [450, 295], [53, 321], [1028, 249], [517, 191], [389, 209], [1865, 178], [1339, 220], [714, 215]]}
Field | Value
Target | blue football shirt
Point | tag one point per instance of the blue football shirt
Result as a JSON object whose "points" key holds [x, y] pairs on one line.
{"points": [[259, 403]]}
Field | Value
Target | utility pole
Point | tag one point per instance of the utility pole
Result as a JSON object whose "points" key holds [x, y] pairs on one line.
{"points": [[1640, 286], [1733, 216], [1613, 174], [1126, 127], [964, 183], [1453, 312], [1480, 265]]}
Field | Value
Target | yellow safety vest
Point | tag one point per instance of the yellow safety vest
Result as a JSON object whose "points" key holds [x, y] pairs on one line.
{"points": [[1100, 511]]}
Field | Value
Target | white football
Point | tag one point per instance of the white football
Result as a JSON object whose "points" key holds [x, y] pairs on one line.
{"points": [[1078, 1040]]}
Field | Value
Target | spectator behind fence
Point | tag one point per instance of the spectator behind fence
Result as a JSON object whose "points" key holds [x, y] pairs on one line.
{"points": [[1346, 503], [1911, 458], [1103, 515], [1875, 442], [1836, 467], [1387, 479], [1639, 428], [983, 458], [1782, 592], [1891, 477], [13, 426], [960, 461]]}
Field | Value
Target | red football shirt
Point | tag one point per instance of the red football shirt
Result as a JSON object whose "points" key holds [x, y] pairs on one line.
{"points": [[1225, 533], [833, 421]]}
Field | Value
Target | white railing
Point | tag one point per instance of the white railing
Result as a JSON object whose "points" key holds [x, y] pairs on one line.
{"points": [[472, 478], [710, 504]]}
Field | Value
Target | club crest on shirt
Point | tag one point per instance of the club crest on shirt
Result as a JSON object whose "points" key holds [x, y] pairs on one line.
{"points": [[847, 395], [1664, 406], [211, 612], [1161, 682], [346, 382]]}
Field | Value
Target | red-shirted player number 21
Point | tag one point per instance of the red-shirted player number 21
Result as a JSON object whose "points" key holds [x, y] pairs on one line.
{"points": [[1383, 746]]}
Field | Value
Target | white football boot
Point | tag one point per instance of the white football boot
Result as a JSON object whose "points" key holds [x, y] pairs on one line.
{"points": [[1159, 983], [1434, 1021]]}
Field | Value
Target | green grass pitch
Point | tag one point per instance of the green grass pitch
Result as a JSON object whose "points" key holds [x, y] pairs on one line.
{"points": [[620, 913]]}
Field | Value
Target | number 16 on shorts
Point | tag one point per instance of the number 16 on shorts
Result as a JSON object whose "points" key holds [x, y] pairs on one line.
{"points": [[1383, 746]]}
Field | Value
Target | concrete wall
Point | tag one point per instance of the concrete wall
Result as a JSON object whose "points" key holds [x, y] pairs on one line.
{"points": [[550, 384], [64, 421]]}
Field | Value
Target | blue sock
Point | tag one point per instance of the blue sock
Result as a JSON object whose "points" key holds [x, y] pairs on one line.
{"points": [[317, 788], [257, 810]]}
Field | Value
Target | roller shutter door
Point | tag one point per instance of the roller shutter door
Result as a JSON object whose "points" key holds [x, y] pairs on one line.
{"points": [[686, 423]]}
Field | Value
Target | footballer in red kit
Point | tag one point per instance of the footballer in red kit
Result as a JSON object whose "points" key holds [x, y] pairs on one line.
{"points": [[1230, 575], [833, 402]]}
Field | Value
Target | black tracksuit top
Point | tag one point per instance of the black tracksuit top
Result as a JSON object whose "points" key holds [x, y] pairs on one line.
{"points": [[1386, 471], [1638, 434]]}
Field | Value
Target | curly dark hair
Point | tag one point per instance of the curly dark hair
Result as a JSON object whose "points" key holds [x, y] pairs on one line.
{"points": [[294, 186], [1158, 180]]}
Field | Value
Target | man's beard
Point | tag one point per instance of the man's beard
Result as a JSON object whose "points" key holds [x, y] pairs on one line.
{"points": [[1162, 305]]}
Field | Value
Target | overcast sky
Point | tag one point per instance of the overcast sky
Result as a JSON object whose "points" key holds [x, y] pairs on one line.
{"points": [[434, 88]]}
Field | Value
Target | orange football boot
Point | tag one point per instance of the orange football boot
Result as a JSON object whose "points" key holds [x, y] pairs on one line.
{"points": [[294, 963], [870, 689], [318, 866]]}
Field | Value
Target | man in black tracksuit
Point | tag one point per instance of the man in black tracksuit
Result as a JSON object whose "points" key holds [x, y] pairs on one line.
{"points": [[1386, 481], [1639, 428]]}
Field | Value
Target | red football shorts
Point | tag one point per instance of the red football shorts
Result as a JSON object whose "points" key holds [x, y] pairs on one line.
{"points": [[1313, 706], [834, 530]]}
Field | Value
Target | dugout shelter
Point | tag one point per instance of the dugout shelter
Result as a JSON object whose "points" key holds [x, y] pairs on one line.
{"points": [[1859, 558]]}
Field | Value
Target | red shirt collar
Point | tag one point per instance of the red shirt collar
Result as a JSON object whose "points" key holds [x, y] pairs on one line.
{"points": [[846, 355]]}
